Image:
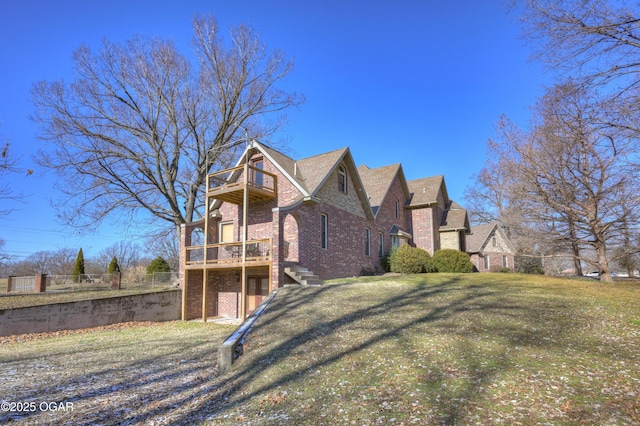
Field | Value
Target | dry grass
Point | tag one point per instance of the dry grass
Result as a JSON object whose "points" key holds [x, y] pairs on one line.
{"points": [[122, 374], [442, 349], [427, 349], [22, 300]]}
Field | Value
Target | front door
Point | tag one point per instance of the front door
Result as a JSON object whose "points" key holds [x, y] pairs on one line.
{"points": [[257, 290]]}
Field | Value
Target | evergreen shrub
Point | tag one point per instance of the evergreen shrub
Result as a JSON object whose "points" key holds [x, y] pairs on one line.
{"points": [[410, 260], [78, 269], [449, 260]]}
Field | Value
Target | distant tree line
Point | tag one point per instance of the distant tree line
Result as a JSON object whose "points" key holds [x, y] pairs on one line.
{"points": [[126, 257]]}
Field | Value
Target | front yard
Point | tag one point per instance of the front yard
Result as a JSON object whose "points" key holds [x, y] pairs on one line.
{"points": [[424, 349]]}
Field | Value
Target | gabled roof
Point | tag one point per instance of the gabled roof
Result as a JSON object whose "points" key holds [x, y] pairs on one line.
{"points": [[377, 183], [287, 165], [316, 170], [480, 234], [425, 191], [310, 174], [454, 218]]}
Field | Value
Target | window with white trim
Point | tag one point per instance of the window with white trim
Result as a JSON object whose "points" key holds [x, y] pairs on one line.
{"points": [[324, 231], [381, 245]]}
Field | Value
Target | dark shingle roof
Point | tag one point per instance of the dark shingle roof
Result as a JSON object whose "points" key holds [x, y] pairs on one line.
{"points": [[425, 191], [377, 182], [478, 236], [287, 164], [454, 218], [315, 170]]}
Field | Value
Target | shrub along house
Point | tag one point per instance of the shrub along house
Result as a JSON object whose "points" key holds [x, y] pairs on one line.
{"points": [[306, 221]]}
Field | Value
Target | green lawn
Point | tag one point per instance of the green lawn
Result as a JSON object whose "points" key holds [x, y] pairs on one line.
{"points": [[423, 349]]}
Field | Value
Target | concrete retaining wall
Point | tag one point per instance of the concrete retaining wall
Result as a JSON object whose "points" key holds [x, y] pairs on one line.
{"points": [[160, 306]]}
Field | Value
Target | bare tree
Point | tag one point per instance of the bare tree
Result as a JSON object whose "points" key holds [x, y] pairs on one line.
{"points": [[127, 253], [140, 126], [573, 172], [8, 168], [166, 245], [63, 261], [598, 40], [4, 258], [596, 43], [39, 262]]}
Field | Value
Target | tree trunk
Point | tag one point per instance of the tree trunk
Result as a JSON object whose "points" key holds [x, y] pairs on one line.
{"points": [[603, 263], [575, 248]]}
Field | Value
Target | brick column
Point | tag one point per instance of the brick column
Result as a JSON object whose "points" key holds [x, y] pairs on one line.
{"points": [[115, 280], [9, 284], [41, 283]]}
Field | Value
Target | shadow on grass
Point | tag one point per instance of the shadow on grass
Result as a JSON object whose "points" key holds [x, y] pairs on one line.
{"points": [[154, 385], [440, 307], [479, 324]]}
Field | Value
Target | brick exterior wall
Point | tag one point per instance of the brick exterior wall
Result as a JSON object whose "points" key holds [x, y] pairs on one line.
{"points": [[423, 235], [386, 215], [294, 226], [223, 292]]}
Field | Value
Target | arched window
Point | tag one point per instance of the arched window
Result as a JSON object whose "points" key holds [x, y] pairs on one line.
{"points": [[342, 179]]}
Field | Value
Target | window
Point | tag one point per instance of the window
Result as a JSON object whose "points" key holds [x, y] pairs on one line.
{"points": [[226, 232], [397, 208], [381, 246], [324, 231], [257, 177], [486, 262], [367, 242], [342, 179], [505, 262], [494, 241], [395, 241]]}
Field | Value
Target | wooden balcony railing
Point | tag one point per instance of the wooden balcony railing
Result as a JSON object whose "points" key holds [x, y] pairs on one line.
{"points": [[228, 185], [229, 254]]}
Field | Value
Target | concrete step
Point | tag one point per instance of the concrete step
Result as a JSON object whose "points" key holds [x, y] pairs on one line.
{"points": [[303, 276]]}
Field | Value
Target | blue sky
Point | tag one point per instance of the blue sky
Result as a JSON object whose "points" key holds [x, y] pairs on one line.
{"points": [[420, 83]]}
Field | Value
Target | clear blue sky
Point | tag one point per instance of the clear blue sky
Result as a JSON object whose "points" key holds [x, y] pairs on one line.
{"points": [[420, 83]]}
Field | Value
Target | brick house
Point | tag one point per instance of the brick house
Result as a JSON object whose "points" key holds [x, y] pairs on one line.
{"points": [[490, 248], [306, 220]]}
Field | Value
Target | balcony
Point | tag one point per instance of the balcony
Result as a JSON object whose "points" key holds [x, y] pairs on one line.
{"points": [[229, 185], [229, 255]]}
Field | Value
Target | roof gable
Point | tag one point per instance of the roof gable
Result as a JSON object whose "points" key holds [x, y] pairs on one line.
{"points": [[317, 170], [377, 182], [479, 236], [283, 163], [425, 191]]}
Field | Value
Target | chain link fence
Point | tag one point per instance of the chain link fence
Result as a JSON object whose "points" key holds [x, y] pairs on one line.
{"points": [[93, 282]]}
